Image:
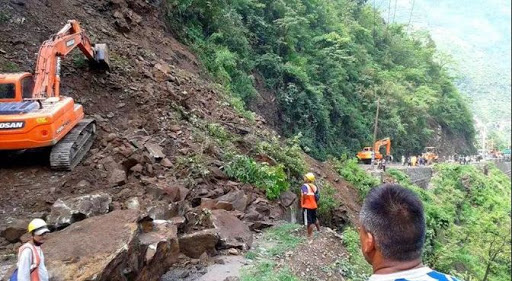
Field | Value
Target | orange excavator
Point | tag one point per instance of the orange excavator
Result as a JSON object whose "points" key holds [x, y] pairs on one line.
{"points": [[365, 155], [33, 114]]}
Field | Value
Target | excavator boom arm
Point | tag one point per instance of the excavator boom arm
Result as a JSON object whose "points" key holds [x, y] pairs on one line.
{"points": [[47, 72], [379, 143]]}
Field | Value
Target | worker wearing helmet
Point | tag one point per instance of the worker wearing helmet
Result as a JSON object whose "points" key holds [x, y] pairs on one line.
{"points": [[30, 256], [309, 205]]}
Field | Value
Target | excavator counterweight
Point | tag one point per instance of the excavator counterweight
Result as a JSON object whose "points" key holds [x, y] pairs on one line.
{"points": [[33, 114]]}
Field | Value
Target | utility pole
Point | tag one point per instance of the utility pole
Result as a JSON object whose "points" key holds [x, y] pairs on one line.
{"points": [[484, 136], [375, 133]]}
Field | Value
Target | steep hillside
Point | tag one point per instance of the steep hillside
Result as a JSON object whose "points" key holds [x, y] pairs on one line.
{"points": [[168, 137], [317, 68]]}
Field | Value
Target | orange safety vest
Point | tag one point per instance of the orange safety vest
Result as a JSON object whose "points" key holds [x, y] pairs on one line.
{"points": [[34, 268], [308, 199]]}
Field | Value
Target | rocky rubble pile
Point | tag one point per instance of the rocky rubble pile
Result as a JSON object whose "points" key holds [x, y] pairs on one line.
{"points": [[139, 243], [153, 184]]}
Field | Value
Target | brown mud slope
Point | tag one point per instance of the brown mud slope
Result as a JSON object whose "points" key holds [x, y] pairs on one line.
{"points": [[154, 86], [156, 92]]}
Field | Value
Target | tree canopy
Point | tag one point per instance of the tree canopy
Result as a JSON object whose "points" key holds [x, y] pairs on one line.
{"points": [[327, 63]]}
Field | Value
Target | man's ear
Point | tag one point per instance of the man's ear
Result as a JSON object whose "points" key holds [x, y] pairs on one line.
{"points": [[367, 242]]}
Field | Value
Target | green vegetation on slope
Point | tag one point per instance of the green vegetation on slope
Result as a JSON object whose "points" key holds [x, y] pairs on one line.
{"points": [[356, 268], [468, 221], [326, 63], [280, 239], [282, 164], [272, 179]]}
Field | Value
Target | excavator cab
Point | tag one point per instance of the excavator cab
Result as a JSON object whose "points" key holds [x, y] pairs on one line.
{"points": [[16, 86], [14, 89]]}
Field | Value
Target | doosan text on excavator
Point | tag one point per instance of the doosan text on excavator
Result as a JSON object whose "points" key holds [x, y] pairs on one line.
{"points": [[33, 114]]}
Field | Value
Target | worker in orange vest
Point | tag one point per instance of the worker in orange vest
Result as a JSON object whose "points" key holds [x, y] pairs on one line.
{"points": [[308, 202], [31, 265]]}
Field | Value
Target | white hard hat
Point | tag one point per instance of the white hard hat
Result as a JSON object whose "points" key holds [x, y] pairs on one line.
{"points": [[38, 227]]}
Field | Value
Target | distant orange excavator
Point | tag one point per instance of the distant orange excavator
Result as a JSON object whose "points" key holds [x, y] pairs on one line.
{"points": [[365, 155], [32, 112]]}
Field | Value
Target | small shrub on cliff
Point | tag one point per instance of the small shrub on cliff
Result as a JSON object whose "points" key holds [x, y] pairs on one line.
{"points": [[272, 179], [288, 153]]}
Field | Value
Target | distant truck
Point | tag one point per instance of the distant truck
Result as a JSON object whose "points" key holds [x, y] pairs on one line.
{"points": [[430, 154]]}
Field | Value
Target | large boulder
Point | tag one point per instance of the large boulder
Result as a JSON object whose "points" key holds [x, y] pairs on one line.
{"points": [[111, 247], [66, 211], [195, 244], [237, 198], [261, 206], [158, 211], [287, 198], [98, 248], [164, 191], [14, 229], [233, 233]]}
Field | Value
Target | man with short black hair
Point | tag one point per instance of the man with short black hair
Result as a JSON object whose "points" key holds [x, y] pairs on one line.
{"points": [[392, 233]]}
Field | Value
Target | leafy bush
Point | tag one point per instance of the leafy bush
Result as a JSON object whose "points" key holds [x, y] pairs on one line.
{"points": [[272, 179], [218, 132], [8, 66], [194, 166], [4, 17], [288, 153], [79, 61], [327, 203], [468, 221], [353, 173]]}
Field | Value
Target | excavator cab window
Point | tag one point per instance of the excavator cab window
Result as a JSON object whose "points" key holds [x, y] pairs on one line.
{"points": [[27, 87], [7, 91]]}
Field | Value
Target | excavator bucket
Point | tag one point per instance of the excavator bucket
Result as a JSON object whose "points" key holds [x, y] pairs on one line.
{"points": [[101, 57]]}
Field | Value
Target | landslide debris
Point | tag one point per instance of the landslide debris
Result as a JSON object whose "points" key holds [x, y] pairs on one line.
{"points": [[153, 156]]}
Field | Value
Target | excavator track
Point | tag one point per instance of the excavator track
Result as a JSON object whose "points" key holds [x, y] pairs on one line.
{"points": [[70, 150]]}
